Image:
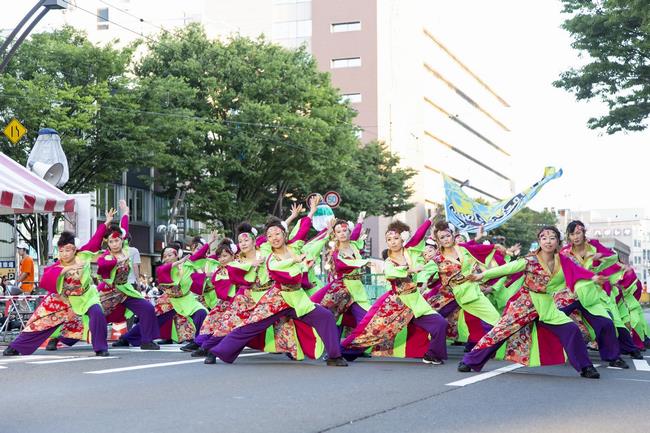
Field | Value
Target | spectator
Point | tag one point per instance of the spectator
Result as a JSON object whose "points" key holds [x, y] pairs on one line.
{"points": [[134, 256], [25, 278]]}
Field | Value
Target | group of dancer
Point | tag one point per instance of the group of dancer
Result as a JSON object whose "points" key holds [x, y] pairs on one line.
{"points": [[542, 308]]}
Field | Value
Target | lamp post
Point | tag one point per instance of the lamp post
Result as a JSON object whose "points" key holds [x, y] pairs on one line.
{"points": [[47, 5]]}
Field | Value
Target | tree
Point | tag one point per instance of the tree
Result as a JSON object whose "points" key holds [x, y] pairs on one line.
{"points": [[60, 80], [614, 35], [269, 126], [523, 227]]}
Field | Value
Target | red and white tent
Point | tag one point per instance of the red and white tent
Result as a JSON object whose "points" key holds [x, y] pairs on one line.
{"points": [[21, 191]]}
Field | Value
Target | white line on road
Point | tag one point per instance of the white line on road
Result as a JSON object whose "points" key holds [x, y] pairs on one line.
{"points": [[84, 358], [160, 364], [1, 367], [26, 358], [641, 364], [484, 376]]}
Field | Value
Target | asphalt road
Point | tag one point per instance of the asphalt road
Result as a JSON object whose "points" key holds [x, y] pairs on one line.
{"points": [[72, 391]]}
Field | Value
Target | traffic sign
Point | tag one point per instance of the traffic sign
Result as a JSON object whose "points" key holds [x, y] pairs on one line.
{"points": [[332, 198], [14, 130]]}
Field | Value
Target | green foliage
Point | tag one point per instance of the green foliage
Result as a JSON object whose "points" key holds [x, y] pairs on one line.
{"points": [[614, 37], [523, 227]]}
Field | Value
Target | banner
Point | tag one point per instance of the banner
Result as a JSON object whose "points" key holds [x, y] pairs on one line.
{"points": [[467, 215]]}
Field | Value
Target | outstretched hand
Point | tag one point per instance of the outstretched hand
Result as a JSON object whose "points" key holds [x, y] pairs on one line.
{"points": [[109, 216]]}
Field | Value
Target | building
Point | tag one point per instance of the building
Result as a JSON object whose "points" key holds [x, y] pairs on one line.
{"points": [[630, 227], [411, 89]]}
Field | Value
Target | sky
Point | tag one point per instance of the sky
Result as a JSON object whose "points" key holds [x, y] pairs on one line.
{"points": [[519, 49]]}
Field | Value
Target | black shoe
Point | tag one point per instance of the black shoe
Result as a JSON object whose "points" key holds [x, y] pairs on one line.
{"points": [[618, 363], [464, 368], [121, 342], [350, 357], [199, 353], [337, 362], [290, 356], [102, 353], [51, 345], [590, 372], [167, 341], [428, 359], [149, 346], [190, 347], [636, 355], [10, 351], [210, 359]]}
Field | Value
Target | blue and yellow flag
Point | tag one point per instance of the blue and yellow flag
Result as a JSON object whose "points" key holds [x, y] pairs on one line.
{"points": [[467, 215]]}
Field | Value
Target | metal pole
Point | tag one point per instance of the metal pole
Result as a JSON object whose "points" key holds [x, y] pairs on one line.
{"points": [[20, 25], [21, 39], [15, 244], [38, 241]]}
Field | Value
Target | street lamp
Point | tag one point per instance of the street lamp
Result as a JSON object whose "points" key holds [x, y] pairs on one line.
{"points": [[47, 5]]}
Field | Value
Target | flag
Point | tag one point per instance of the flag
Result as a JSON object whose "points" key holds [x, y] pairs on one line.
{"points": [[467, 215]]}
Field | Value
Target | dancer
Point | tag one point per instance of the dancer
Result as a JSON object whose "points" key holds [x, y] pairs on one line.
{"points": [[597, 307], [345, 293], [286, 269], [546, 272], [452, 265], [385, 328], [71, 297]]}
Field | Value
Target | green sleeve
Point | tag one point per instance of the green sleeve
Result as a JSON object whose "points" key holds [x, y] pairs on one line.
{"points": [[503, 270], [391, 271]]}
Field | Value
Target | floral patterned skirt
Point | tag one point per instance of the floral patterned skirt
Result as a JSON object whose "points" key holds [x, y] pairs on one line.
{"points": [[385, 320], [53, 311], [335, 296]]}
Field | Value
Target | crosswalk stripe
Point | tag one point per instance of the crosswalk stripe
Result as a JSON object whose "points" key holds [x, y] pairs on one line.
{"points": [[641, 364], [83, 358], [160, 364], [484, 376]]}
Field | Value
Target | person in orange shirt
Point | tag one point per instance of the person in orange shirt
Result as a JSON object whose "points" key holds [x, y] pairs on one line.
{"points": [[26, 277]]}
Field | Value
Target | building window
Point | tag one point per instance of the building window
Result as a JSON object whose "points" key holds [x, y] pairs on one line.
{"points": [[102, 19], [106, 199], [137, 202], [352, 26], [353, 98], [291, 30], [349, 62]]}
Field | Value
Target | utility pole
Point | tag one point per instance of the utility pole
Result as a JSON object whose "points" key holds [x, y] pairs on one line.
{"points": [[47, 5]]}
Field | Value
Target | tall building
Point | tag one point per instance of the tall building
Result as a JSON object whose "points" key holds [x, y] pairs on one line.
{"points": [[410, 88]]}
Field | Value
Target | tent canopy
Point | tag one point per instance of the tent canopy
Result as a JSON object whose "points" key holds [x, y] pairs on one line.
{"points": [[21, 191]]}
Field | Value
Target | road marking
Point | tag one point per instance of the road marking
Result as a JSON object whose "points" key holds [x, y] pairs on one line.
{"points": [[641, 364], [26, 358], [1, 367], [484, 376], [83, 358], [160, 364], [137, 349]]}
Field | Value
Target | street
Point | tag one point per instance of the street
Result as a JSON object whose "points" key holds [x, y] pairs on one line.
{"points": [[166, 391]]}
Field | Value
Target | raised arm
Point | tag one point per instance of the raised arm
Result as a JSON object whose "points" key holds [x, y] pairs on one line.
{"points": [[418, 236]]}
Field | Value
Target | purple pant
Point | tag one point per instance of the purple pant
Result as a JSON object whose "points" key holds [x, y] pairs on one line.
{"points": [[568, 333], [608, 345], [449, 309], [436, 326], [27, 342], [319, 318], [625, 341], [135, 335]]}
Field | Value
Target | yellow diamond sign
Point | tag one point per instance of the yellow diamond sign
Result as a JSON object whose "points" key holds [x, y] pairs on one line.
{"points": [[14, 131]]}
